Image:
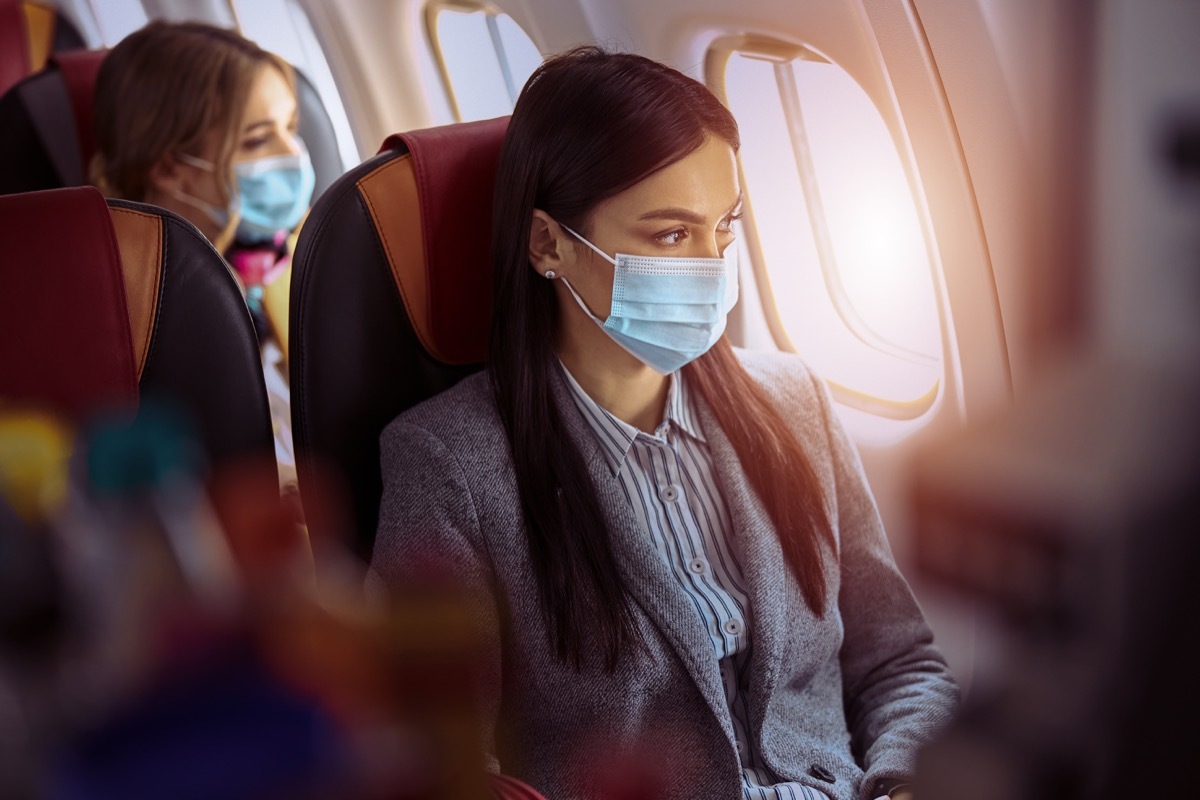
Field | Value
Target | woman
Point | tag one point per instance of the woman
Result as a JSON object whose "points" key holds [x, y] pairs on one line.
{"points": [[677, 561], [202, 122]]}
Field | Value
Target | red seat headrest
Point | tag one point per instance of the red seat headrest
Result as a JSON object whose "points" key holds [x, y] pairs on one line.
{"points": [[65, 341], [445, 277]]}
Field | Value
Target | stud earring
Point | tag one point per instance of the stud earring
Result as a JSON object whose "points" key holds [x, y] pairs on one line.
{"points": [[551, 274]]}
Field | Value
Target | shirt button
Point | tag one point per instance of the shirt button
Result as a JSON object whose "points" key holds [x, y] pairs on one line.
{"points": [[669, 494], [697, 565], [733, 627]]}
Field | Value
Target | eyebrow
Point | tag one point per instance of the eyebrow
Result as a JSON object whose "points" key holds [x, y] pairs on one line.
{"points": [[267, 123], [685, 215]]}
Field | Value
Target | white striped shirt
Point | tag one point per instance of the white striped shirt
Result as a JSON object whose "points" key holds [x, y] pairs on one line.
{"points": [[672, 488]]}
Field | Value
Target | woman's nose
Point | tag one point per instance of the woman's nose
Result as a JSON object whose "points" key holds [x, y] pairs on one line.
{"points": [[286, 144], [293, 143], [711, 247]]}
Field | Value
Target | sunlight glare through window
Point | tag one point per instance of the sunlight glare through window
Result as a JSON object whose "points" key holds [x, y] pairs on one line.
{"points": [[869, 321]]}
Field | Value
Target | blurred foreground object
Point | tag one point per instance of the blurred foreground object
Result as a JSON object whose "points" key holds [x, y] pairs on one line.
{"points": [[155, 645], [1075, 518], [34, 448], [1076, 521]]}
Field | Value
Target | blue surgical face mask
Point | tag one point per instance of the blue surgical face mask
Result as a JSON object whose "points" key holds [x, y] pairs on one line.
{"points": [[272, 194], [667, 311]]}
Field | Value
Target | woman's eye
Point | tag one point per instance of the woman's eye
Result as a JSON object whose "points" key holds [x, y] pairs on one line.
{"points": [[727, 223], [673, 237], [253, 144]]}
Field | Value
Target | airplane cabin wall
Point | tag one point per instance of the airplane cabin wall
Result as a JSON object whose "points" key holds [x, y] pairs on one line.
{"points": [[995, 150], [369, 46]]}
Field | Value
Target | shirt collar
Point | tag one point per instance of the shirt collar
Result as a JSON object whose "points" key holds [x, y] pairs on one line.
{"points": [[616, 436]]}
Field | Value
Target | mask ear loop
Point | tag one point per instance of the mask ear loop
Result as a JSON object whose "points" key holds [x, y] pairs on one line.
{"points": [[195, 161], [213, 211], [603, 255], [571, 289], [582, 305], [219, 216]]}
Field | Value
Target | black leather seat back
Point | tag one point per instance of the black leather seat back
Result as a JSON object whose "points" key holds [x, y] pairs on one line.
{"points": [[391, 301]]}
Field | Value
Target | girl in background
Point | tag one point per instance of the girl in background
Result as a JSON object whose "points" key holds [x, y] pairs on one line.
{"points": [[201, 121]]}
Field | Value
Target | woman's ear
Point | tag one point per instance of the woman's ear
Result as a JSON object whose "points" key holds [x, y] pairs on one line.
{"points": [[549, 248], [165, 176]]}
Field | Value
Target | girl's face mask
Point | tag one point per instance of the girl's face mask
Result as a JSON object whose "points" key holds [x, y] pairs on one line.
{"points": [[272, 194], [667, 311]]}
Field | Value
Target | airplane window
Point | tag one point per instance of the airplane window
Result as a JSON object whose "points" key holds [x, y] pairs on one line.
{"points": [[283, 27], [484, 56], [843, 271], [115, 19]]}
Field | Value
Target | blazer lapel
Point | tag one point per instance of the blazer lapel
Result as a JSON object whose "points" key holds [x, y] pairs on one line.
{"points": [[774, 612], [649, 581]]}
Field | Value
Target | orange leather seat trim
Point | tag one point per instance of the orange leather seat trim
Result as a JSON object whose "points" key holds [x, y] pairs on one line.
{"points": [[40, 21], [390, 193], [139, 238]]}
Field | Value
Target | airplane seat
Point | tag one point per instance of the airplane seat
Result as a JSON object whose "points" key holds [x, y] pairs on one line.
{"points": [[29, 33], [47, 140], [316, 129], [105, 304], [391, 304], [390, 301], [46, 125]]}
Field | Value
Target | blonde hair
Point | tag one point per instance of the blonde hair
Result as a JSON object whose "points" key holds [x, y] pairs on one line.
{"points": [[166, 89]]}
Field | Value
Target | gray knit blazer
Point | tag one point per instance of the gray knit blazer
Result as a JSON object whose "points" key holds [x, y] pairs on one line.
{"points": [[837, 701]]}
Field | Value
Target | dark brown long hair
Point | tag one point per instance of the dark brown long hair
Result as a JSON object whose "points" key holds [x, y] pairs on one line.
{"points": [[587, 126]]}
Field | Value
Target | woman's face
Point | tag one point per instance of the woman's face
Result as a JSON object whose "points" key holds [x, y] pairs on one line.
{"points": [[685, 210], [267, 127], [269, 122]]}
